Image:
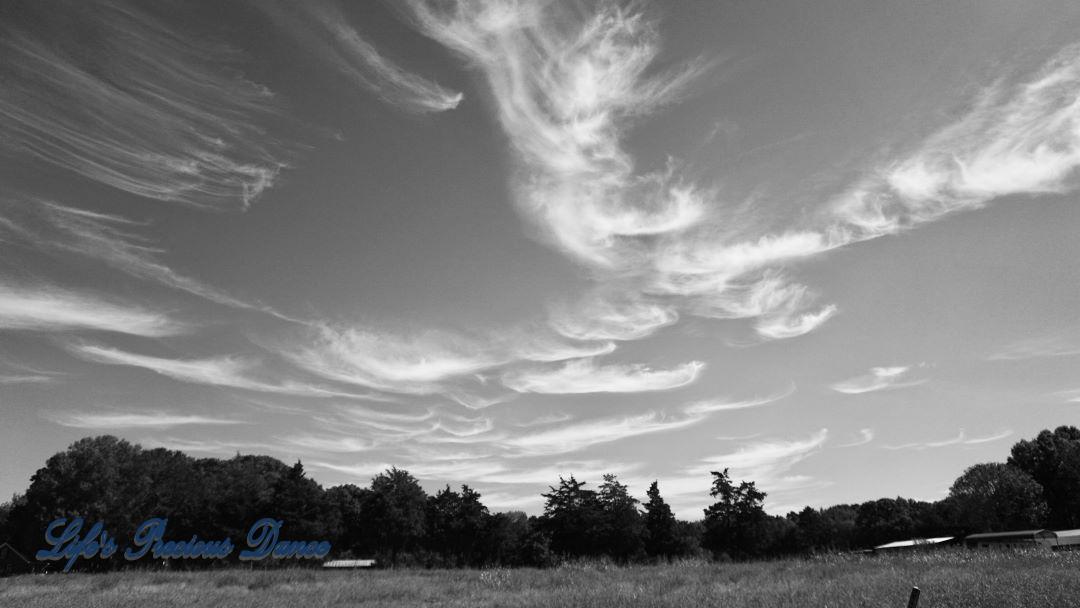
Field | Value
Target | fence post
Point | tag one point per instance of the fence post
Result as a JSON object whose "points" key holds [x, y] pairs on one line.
{"points": [[913, 601]]}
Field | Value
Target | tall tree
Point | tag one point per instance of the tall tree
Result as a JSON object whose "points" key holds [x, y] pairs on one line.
{"points": [[994, 497], [884, 520], [456, 525], [622, 529], [1053, 460], [660, 532], [735, 523], [395, 512], [348, 501], [572, 518]]}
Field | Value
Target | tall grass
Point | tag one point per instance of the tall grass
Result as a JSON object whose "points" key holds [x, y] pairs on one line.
{"points": [[957, 578]]}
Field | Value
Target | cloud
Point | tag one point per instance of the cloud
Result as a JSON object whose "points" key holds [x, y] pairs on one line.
{"points": [[605, 318], [324, 30], [111, 239], [711, 406], [583, 435], [564, 86], [865, 437], [45, 308], [134, 104], [764, 460], [225, 371], [567, 86], [961, 438], [384, 361], [878, 379], [584, 376], [317, 443], [780, 327], [27, 379], [1037, 348], [469, 471], [1018, 139], [131, 420]]}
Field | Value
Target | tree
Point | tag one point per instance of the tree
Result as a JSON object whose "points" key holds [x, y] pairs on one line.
{"points": [[621, 527], [348, 501], [735, 523], [995, 497], [884, 520], [660, 522], [96, 478], [456, 525], [394, 512], [302, 504], [572, 518], [1053, 460]]}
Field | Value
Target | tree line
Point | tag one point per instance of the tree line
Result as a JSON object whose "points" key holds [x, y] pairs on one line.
{"points": [[394, 520]]}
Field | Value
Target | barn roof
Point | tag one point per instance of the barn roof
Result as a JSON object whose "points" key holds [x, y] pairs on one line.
{"points": [[915, 542], [349, 563]]}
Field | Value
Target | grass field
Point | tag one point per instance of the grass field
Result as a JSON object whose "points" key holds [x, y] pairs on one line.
{"points": [[955, 578]]}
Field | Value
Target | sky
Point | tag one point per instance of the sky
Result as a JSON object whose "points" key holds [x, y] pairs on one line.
{"points": [[828, 246]]}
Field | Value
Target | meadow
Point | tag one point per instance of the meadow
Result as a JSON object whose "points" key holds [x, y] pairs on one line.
{"points": [[956, 578]]}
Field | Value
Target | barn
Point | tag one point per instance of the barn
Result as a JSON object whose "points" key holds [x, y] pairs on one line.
{"points": [[1068, 540], [349, 564], [1012, 540], [12, 562]]}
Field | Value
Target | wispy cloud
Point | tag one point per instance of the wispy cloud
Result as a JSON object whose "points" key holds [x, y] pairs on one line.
{"points": [[135, 104], [585, 376], [568, 84], [878, 379], [564, 85], [763, 460], [431, 362], [230, 371], [132, 420], [320, 27], [46, 308], [711, 406], [961, 438], [109, 238], [779, 327], [1038, 348], [865, 437], [385, 361], [582, 435], [602, 317], [1018, 139], [26, 379]]}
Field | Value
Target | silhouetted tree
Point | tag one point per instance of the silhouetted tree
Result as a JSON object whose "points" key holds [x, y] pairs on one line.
{"points": [[395, 512], [348, 501], [572, 518], [1053, 460], [734, 524], [456, 525], [994, 497], [660, 522], [884, 520], [621, 528]]}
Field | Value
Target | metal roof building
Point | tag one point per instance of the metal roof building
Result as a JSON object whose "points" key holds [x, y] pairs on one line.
{"points": [[1012, 539], [915, 543], [349, 563], [1068, 540]]}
